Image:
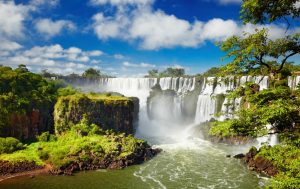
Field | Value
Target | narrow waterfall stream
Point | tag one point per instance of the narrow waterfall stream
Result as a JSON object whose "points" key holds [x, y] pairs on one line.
{"points": [[187, 160]]}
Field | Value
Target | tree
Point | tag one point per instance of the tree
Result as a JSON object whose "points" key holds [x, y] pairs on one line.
{"points": [[153, 73], [22, 68], [214, 71], [46, 74], [91, 73], [173, 72], [258, 11], [257, 51]]}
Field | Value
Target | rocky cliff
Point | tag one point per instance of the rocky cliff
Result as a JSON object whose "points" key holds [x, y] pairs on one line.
{"points": [[115, 113], [28, 125]]}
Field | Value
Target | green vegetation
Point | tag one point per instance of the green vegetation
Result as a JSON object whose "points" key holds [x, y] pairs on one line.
{"points": [[286, 158], [22, 92], [69, 110], [9, 145], [275, 106], [83, 143], [256, 11], [91, 73], [29, 154], [169, 72], [257, 51]]}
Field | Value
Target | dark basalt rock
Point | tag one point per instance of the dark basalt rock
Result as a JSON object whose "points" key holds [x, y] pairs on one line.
{"points": [[239, 156], [232, 140], [109, 162], [259, 163], [7, 167]]}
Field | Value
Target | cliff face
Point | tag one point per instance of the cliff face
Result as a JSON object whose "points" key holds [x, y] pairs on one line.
{"points": [[26, 126], [108, 112]]}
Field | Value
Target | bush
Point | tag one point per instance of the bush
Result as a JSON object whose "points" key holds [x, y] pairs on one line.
{"points": [[287, 159], [46, 137], [222, 128], [69, 90], [9, 145]]}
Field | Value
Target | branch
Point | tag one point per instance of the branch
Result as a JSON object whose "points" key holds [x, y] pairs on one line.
{"points": [[285, 59], [261, 62], [288, 24]]}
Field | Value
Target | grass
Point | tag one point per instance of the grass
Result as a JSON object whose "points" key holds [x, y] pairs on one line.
{"points": [[28, 154], [72, 146]]}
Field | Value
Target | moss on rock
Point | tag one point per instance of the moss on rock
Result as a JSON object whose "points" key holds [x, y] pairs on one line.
{"points": [[109, 112]]}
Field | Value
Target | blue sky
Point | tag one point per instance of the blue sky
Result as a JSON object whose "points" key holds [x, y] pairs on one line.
{"points": [[120, 37]]}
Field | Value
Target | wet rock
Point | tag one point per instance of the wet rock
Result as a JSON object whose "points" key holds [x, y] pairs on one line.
{"points": [[259, 163], [232, 140], [7, 167], [239, 156], [143, 154]]}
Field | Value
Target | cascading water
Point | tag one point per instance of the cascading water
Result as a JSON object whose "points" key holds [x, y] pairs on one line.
{"points": [[206, 108], [215, 86], [293, 81]]}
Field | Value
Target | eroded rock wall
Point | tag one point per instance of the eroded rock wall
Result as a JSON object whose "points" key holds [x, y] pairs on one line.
{"points": [[108, 112]]}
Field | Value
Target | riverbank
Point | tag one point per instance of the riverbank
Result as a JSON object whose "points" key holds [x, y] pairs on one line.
{"points": [[29, 173]]}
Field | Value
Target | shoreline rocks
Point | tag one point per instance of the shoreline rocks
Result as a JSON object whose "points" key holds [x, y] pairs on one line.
{"points": [[107, 163], [258, 163], [7, 167], [232, 140]]}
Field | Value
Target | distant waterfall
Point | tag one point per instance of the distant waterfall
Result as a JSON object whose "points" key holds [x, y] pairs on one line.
{"points": [[206, 108], [293, 81], [177, 84], [207, 101]]}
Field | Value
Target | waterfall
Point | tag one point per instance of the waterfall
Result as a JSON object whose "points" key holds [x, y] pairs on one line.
{"points": [[206, 107], [180, 85], [208, 103], [215, 86], [293, 81]]}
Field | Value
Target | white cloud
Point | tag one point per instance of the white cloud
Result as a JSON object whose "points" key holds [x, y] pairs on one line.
{"points": [[119, 56], [95, 53], [141, 65], [74, 50], [297, 4], [9, 45], [53, 51], [12, 17], [218, 29], [57, 52], [154, 30], [55, 58], [121, 2], [51, 28], [48, 3], [225, 2], [110, 27], [95, 61]]}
